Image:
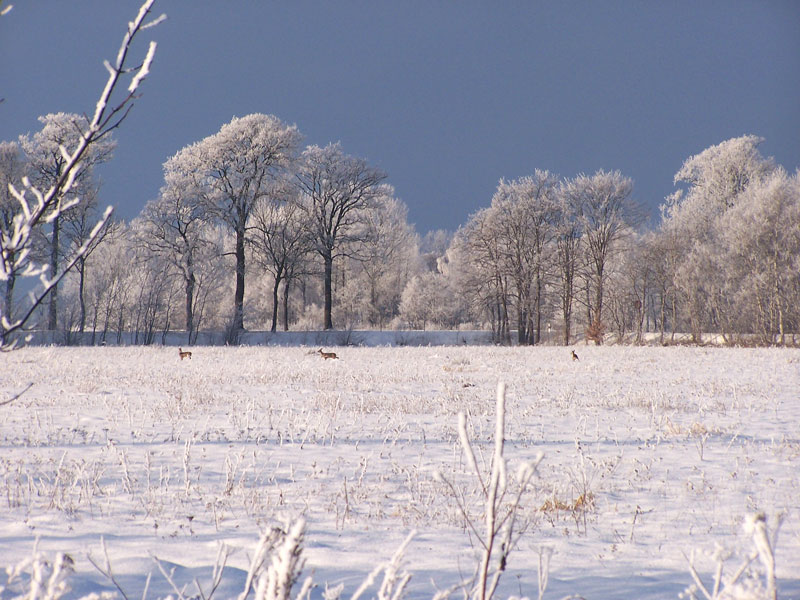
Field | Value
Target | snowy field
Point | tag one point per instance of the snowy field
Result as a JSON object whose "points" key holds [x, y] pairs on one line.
{"points": [[137, 461]]}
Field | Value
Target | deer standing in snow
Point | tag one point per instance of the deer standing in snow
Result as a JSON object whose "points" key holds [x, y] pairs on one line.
{"points": [[327, 355]]}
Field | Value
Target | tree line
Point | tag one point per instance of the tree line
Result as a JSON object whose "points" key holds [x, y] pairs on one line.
{"points": [[252, 231]]}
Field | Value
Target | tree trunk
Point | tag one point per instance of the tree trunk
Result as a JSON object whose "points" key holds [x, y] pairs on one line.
{"points": [[275, 301], [328, 259], [286, 303], [9, 299], [598, 299], [238, 316], [538, 339], [94, 323], [190, 283], [81, 299], [522, 336], [566, 307], [53, 308]]}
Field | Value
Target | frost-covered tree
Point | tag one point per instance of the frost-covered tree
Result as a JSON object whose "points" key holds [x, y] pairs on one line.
{"points": [[429, 299], [476, 264], [235, 169], [153, 291], [607, 212], [12, 169], [630, 277], [46, 165], [172, 227], [77, 227], [279, 234], [663, 252], [106, 283], [569, 250], [760, 248], [43, 203], [389, 258], [526, 213], [338, 191], [714, 182], [433, 248]]}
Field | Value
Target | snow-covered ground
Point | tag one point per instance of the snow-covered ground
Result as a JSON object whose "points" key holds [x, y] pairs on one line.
{"points": [[650, 454]]}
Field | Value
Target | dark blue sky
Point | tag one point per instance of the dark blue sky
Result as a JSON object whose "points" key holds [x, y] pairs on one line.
{"points": [[446, 97]]}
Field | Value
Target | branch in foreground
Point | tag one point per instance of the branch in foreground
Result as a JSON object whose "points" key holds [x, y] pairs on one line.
{"points": [[46, 206], [10, 400]]}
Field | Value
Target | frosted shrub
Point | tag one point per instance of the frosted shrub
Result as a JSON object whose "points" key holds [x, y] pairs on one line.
{"points": [[38, 578], [277, 564], [501, 497], [744, 583]]}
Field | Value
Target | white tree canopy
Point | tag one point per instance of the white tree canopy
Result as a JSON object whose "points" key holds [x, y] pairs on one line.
{"points": [[714, 180], [234, 169]]}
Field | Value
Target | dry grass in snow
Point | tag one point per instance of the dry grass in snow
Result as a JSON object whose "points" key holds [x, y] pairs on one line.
{"points": [[650, 454]]}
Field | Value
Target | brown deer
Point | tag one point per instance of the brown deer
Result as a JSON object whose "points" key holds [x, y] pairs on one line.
{"points": [[184, 353], [327, 355]]}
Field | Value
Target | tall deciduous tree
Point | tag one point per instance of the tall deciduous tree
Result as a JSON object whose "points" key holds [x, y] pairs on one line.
{"points": [[78, 226], [568, 253], [607, 211], [390, 258], [338, 189], [279, 233], [713, 182], [760, 247], [477, 263], [47, 164], [235, 169], [525, 215], [172, 228], [12, 169]]}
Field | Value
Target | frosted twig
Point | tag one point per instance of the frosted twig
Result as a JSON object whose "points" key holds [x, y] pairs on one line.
{"points": [[465, 444], [543, 571], [17, 395], [144, 70], [168, 577], [392, 587], [106, 571]]}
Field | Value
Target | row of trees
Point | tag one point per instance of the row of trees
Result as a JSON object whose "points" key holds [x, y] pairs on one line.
{"points": [[724, 259], [247, 224]]}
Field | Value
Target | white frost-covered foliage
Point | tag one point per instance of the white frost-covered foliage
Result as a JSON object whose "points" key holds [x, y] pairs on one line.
{"points": [[45, 165], [514, 258], [175, 228], [526, 217], [607, 211], [42, 150], [40, 205], [715, 178], [338, 190], [733, 239], [244, 163], [429, 300], [383, 262]]}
